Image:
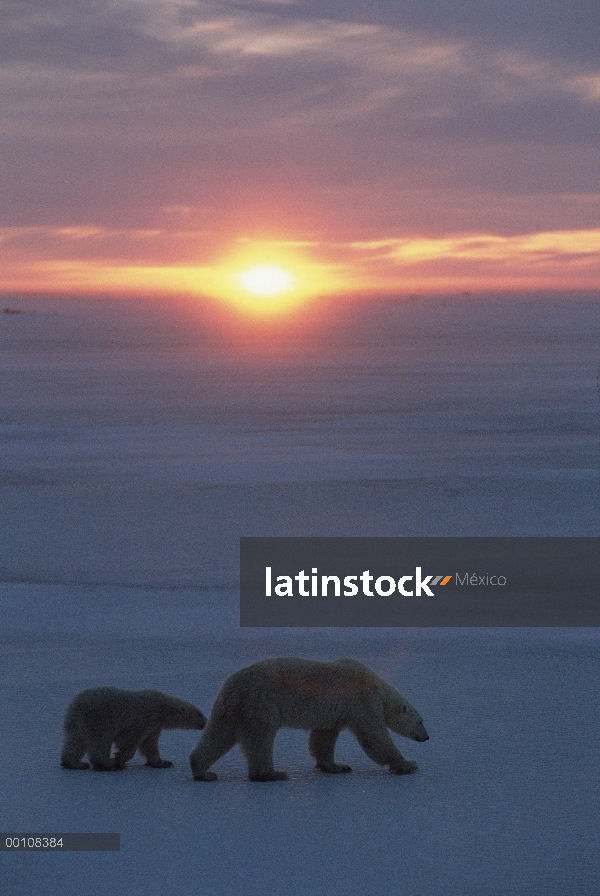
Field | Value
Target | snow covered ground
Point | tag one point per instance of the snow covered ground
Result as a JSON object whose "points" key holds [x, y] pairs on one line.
{"points": [[139, 443]]}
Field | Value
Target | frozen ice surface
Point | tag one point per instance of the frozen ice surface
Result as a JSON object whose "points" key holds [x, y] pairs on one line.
{"points": [[506, 799], [140, 441]]}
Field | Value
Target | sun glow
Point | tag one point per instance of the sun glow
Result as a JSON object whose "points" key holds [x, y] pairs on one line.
{"points": [[271, 278], [266, 281]]}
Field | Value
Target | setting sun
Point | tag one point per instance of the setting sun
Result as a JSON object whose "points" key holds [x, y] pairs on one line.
{"points": [[266, 281], [269, 278]]}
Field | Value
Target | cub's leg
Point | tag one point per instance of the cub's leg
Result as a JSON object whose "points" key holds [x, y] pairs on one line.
{"points": [[218, 739], [126, 744], [148, 747], [379, 746], [98, 750], [73, 750], [321, 746], [257, 747]]}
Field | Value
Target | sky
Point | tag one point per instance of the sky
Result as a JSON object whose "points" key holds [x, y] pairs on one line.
{"points": [[362, 147]]}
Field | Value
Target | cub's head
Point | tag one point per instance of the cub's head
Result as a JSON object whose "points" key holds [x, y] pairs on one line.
{"points": [[403, 718], [196, 719], [189, 716]]}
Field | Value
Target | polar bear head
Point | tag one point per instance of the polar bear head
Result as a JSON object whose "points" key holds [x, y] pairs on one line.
{"points": [[402, 717], [171, 712], [191, 718], [186, 715]]}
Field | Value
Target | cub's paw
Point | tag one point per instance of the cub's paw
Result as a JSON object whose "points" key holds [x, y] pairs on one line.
{"points": [[333, 768], [270, 776], [160, 763], [205, 776], [407, 767], [74, 765]]}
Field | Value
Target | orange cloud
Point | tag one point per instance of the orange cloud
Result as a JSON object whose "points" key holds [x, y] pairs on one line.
{"points": [[78, 259], [548, 260], [553, 245]]}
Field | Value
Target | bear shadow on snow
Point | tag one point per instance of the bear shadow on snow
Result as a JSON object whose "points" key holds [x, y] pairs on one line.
{"points": [[321, 697], [97, 718]]}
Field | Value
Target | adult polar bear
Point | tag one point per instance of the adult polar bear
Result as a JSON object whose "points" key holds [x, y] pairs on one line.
{"points": [[323, 698]]}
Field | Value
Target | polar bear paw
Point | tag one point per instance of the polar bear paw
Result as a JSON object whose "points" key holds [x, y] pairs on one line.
{"points": [[333, 768], [269, 776], [407, 767], [70, 763]]}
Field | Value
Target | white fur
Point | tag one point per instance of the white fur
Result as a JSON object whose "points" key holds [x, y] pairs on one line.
{"points": [[132, 720], [320, 697]]}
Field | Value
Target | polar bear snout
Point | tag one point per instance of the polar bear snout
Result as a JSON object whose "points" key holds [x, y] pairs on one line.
{"points": [[190, 717], [420, 734]]}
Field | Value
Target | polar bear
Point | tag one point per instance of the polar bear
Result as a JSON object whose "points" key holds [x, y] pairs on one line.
{"points": [[320, 697], [132, 720]]}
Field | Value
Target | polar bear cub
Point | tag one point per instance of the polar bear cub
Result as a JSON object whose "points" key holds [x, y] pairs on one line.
{"points": [[132, 720], [320, 697]]}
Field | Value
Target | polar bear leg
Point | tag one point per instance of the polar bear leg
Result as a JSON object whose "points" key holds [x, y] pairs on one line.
{"points": [[126, 745], [379, 746], [148, 747], [73, 750], [98, 749], [257, 747], [217, 740], [321, 746]]}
